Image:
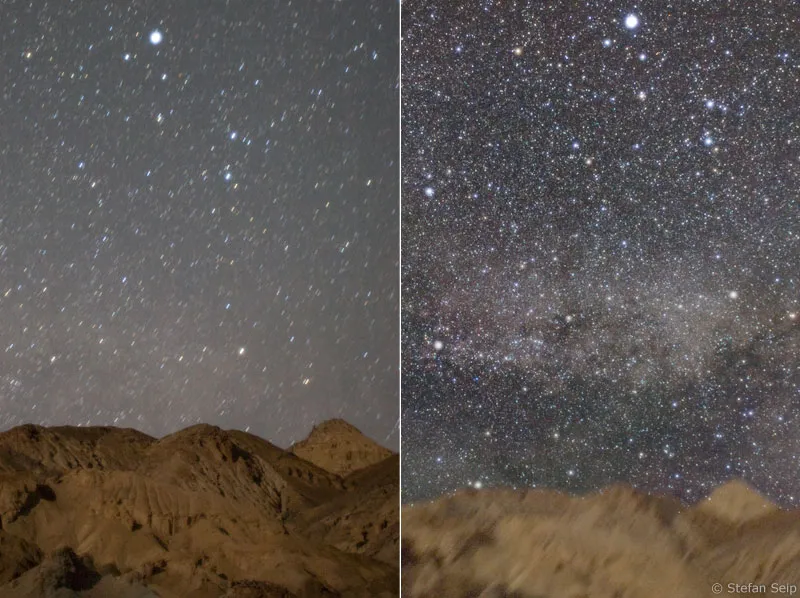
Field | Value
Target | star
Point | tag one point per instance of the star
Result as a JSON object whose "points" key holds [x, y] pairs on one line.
{"points": [[631, 21]]}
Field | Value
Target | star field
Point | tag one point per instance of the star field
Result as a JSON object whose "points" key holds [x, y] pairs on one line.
{"points": [[601, 242], [198, 212]]}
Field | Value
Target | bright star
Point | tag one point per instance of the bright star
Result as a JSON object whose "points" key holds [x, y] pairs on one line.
{"points": [[631, 21], [156, 37]]}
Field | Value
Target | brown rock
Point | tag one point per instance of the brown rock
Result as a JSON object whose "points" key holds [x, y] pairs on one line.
{"points": [[203, 512], [619, 543], [339, 448]]}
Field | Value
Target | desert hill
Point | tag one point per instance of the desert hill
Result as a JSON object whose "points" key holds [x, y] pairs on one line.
{"points": [[202, 513], [619, 543], [338, 447], [369, 525]]}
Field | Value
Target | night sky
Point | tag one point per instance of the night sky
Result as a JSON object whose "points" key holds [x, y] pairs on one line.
{"points": [[200, 215], [601, 246]]}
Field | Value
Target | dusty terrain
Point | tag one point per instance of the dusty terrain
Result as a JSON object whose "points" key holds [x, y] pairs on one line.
{"points": [[616, 544], [202, 513]]}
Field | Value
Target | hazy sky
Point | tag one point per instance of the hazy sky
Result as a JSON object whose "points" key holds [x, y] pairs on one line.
{"points": [[200, 215]]}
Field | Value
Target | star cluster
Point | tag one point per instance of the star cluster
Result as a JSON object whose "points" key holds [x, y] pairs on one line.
{"points": [[601, 246], [199, 203]]}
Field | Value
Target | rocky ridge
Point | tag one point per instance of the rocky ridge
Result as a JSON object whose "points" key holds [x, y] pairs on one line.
{"points": [[619, 543], [201, 513], [337, 446]]}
